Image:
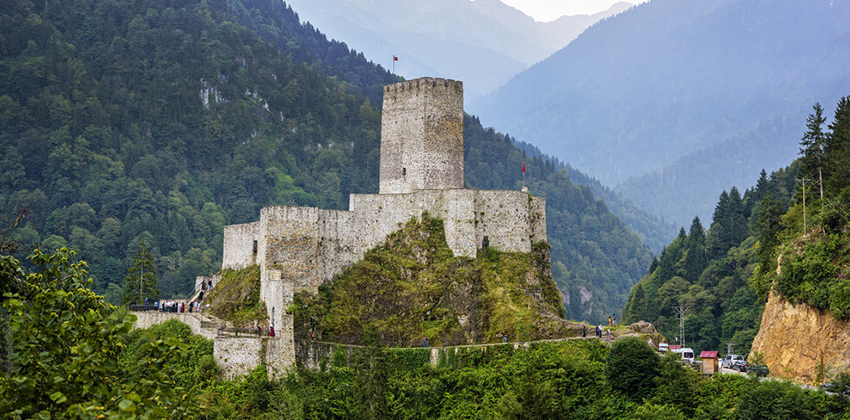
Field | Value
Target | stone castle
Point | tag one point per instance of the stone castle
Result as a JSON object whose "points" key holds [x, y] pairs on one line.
{"points": [[300, 248]]}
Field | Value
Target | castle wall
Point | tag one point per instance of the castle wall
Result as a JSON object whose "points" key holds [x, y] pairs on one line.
{"points": [[237, 356], [147, 319], [422, 136], [239, 245], [299, 248], [511, 220]]}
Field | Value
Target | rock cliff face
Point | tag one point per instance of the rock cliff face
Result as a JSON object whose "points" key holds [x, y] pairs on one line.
{"points": [[799, 341]]}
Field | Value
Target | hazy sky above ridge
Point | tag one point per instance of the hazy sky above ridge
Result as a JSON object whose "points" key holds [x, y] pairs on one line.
{"points": [[549, 10]]}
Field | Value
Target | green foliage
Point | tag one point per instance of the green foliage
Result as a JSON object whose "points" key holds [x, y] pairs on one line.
{"points": [[711, 273], [631, 368], [66, 347], [255, 396], [560, 380], [777, 400], [591, 249], [806, 277], [653, 411], [194, 364], [140, 283], [676, 385], [758, 365], [172, 149], [412, 287], [108, 146], [236, 297]]}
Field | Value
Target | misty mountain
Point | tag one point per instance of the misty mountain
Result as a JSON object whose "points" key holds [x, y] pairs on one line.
{"points": [[697, 95], [482, 42]]}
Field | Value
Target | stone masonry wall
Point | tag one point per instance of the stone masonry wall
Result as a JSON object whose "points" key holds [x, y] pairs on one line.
{"points": [[302, 247], [299, 248], [422, 136], [147, 319], [237, 356], [239, 245]]}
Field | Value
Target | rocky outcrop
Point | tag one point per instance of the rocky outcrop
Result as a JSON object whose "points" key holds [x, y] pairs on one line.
{"points": [[799, 341]]}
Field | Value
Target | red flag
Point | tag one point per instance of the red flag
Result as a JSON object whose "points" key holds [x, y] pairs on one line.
{"points": [[395, 58], [523, 167]]}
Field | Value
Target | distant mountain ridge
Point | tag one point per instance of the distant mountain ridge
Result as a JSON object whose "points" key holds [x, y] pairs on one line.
{"points": [[155, 121], [482, 42], [635, 93]]}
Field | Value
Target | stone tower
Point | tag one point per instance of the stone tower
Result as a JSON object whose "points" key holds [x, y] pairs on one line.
{"points": [[422, 136]]}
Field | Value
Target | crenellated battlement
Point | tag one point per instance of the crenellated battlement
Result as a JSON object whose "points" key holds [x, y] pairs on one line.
{"points": [[423, 84], [422, 136], [299, 248]]}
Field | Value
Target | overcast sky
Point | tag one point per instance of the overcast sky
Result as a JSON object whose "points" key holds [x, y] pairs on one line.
{"points": [[548, 10]]}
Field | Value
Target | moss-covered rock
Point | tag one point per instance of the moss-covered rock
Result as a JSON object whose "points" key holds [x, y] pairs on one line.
{"points": [[236, 297], [412, 287]]}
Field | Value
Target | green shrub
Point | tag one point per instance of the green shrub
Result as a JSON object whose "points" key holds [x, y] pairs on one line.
{"points": [[631, 368]]}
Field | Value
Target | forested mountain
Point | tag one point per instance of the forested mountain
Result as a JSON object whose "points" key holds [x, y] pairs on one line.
{"points": [[706, 273], [786, 235], [483, 42], [162, 121], [276, 23], [653, 230], [722, 85]]}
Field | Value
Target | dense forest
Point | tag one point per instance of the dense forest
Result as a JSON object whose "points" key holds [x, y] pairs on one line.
{"points": [[166, 372], [159, 122], [721, 277]]}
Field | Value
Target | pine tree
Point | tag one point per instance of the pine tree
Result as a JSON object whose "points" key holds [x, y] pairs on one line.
{"points": [[695, 256], [812, 146], [141, 280], [767, 229], [837, 149], [635, 309]]}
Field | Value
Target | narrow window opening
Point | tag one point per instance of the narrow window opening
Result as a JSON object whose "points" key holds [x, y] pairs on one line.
{"points": [[255, 248], [485, 243], [403, 172]]}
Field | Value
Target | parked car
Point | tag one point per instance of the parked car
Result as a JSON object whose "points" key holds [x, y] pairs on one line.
{"points": [[730, 360], [739, 365]]}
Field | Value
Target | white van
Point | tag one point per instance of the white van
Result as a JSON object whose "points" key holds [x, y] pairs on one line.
{"points": [[687, 354]]}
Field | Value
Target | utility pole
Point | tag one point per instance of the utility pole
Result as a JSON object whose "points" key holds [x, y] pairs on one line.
{"points": [[802, 182], [729, 346], [681, 309]]}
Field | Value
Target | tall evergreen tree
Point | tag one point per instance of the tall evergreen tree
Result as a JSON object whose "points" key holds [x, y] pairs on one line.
{"points": [[695, 255], [635, 310], [812, 145], [737, 220], [767, 229], [141, 280], [837, 150]]}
